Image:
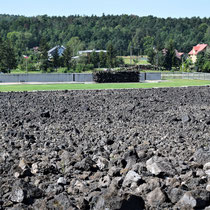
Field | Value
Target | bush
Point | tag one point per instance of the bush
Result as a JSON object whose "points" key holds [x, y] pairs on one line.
{"points": [[49, 70], [206, 66], [110, 76], [84, 67]]}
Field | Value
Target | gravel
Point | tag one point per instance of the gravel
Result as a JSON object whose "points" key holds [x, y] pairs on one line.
{"points": [[105, 149]]}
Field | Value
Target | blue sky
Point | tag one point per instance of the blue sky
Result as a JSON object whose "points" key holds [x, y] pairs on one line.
{"points": [[159, 8]]}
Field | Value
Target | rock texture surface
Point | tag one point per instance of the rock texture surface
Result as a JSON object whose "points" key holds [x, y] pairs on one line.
{"points": [[113, 149]]}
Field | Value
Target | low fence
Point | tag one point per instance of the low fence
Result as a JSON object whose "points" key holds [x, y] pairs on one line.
{"points": [[186, 75], [63, 77], [10, 78], [150, 76]]}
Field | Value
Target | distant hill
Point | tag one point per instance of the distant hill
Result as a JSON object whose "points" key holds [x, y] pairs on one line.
{"points": [[96, 32]]}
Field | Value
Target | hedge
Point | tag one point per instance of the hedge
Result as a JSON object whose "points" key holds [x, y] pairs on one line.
{"points": [[110, 76]]}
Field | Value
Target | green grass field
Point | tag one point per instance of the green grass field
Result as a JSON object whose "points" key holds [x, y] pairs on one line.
{"points": [[170, 83], [18, 71], [142, 61]]}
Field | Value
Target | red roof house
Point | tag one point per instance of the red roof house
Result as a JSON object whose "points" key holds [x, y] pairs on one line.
{"points": [[196, 49]]}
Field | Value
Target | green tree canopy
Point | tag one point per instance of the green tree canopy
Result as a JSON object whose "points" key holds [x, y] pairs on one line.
{"points": [[76, 45], [44, 59], [67, 57], [7, 57], [111, 56]]}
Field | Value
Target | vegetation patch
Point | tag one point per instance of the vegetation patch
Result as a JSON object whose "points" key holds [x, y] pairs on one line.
{"points": [[41, 87], [110, 76]]}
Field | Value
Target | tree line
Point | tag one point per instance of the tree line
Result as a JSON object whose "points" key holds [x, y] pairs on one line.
{"points": [[128, 34], [40, 59], [124, 31], [103, 59]]}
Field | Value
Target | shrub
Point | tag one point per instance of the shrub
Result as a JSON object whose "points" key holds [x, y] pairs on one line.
{"points": [[110, 76]]}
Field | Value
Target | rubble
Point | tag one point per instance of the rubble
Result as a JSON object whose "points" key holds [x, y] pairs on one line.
{"points": [[105, 149]]}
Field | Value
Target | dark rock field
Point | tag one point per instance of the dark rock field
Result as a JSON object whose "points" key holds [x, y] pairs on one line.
{"points": [[105, 150]]}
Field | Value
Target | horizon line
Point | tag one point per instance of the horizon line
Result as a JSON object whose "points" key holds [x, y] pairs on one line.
{"points": [[103, 14]]}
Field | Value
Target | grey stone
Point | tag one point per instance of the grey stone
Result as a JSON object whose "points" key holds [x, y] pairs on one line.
{"points": [[185, 118], [60, 202], [208, 187], [104, 181], [34, 168], [157, 165], [22, 164], [206, 166], [187, 201], [156, 197], [175, 194], [18, 195], [53, 189], [131, 177], [202, 155], [22, 191], [112, 201], [102, 163], [61, 181]]}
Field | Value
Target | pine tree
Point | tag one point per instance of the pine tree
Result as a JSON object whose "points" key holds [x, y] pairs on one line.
{"points": [[94, 59], [111, 56], [56, 59], [7, 57], [11, 61], [67, 56], [44, 59], [170, 56], [102, 59], [1, 56]]}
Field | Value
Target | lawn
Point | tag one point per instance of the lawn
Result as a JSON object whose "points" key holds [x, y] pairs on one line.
{"points": [[142, 60], [18, 71], [170, 83]]}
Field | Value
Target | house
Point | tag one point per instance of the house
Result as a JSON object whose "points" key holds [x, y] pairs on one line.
{"points": [[196, 50], [60, 50], [86, 53], [178, 54]]}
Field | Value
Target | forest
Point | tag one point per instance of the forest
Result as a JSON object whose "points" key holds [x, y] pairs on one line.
{"points": [[127, 33], [96, 32]]}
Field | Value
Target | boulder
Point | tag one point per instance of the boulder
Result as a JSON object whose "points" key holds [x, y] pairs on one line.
{"points": [[156, 197]]}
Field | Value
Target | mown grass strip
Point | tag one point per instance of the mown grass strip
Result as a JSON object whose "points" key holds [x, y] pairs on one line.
{"points": [[37, 87]]}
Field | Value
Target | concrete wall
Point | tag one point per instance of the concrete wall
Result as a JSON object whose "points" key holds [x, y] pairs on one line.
{"points": [[10, 78], [83, 77], [142, 77], [16, 78], [186, 75], [36, 77], [153, 76]]}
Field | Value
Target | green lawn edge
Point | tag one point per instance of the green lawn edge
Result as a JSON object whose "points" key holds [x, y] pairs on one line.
{"points": [[63, 86]]}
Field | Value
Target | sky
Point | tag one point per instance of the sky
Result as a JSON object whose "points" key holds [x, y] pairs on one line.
{"points": [[158, 8]]}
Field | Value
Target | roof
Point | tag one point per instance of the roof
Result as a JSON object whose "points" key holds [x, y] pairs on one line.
{"points": [[60, 49], [179, 54], [56, 47], [75, 57], [90, 51], [198, 48]]}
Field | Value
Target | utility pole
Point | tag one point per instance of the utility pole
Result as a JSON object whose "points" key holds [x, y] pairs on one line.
{"points": [[26, 66], [26, 58], [157, 59]]}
